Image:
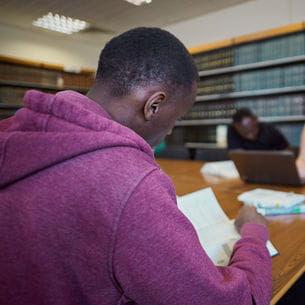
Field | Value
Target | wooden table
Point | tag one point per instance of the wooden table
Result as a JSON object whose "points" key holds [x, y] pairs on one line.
{"points": [[287, 232]]}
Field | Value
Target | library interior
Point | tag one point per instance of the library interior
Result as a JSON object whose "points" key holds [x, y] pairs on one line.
{"points": [[237, 153]]}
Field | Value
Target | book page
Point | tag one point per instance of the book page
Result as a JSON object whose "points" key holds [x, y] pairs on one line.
{"points": [[201, 208], [216, 233], [218, 241]]}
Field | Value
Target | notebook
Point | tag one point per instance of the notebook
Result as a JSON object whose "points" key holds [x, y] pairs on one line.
{"points": [[272, 167]]}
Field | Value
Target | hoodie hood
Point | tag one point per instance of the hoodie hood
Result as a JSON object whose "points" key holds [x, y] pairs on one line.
{"points": [[53, 128]]}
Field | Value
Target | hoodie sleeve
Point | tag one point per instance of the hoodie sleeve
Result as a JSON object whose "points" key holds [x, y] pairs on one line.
{"points": [[157, 258]]}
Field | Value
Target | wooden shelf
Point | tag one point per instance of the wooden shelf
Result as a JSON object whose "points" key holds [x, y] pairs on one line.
{"points": [[283, 30], [253, 66], [39, 86], [9, 106], [203, 122], [205, 145], [269, 119], [19, 75], [250, 93], [282, 119], [44, 65]]}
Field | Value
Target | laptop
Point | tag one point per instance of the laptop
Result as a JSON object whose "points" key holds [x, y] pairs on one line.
{"points": [[272, 167]]}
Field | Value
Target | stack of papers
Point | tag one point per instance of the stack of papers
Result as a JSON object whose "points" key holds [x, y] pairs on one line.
{"points": [[225, 169], [270, 202], [264, 198], [216, 232]]}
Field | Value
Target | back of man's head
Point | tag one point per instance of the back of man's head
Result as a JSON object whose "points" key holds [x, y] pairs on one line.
{"points": [[145, 56]]}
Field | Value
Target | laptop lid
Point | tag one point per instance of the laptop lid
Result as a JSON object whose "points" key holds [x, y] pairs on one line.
{"points": [[273, 167]]}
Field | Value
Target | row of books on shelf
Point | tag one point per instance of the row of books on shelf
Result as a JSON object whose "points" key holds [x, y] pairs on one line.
{"points": [[286, 105], [211, 134], [280, 77], [200, 134], [204, 134], [214, 59], [6, 113], [268, 49], [76, 80], [20, 73], [216, 85], [211, 110], [14, 95], [289, 76], [275, 48], [36, 75], [292, 133]]}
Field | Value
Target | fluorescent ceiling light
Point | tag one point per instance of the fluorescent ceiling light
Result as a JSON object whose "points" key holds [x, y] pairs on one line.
{"points": [[138, 2], [59, 23]]}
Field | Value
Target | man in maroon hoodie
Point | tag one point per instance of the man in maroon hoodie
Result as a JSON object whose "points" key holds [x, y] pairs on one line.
{"points": [[88, 217]]}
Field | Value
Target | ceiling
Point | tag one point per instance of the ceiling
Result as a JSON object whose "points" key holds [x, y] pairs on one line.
{"points": [[107, 17]]}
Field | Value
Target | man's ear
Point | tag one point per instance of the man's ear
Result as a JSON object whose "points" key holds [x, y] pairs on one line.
{"points": [[152, 105]]}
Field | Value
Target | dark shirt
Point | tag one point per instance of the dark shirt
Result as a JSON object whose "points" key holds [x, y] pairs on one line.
{"points": [[269, 138]]}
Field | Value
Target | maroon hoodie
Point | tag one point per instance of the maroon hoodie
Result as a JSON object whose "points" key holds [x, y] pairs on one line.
{"points": [[88, 217]]}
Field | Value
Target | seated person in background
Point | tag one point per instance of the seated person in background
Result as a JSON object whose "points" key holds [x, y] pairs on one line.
{"points": [[300, 162], [246, 132]]}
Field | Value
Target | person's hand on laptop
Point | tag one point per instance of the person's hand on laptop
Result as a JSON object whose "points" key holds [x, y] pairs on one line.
{"points": [[300, 163], [249, 214]]}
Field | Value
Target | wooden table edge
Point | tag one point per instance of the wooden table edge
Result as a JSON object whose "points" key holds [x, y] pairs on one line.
{"points": [[288, 285]]}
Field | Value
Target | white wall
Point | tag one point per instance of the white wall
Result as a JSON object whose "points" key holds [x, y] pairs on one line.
{"points": [[24, 44], [250, 17]]}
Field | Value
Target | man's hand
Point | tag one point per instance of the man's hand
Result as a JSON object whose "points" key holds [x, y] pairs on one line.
{"points": [[249, 214]]}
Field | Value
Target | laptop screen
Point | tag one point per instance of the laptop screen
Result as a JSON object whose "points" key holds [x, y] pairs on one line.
{"points": [[273, 167]]}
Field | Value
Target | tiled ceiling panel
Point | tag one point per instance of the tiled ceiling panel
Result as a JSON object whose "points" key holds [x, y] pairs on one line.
{"points": [[108, 17]]}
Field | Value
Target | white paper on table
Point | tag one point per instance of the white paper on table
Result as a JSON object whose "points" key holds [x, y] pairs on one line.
{"points": [[224, 169]]}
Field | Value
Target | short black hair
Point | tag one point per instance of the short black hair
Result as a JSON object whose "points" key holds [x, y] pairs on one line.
{"points": [[242, 113], [143, 56]]}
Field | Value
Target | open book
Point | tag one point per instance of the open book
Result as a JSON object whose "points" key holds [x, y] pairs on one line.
{"points": [[216, 232]]}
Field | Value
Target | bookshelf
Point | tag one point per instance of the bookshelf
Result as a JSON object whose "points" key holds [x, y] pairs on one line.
{"points": [[17, 76], [263, 71]]}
